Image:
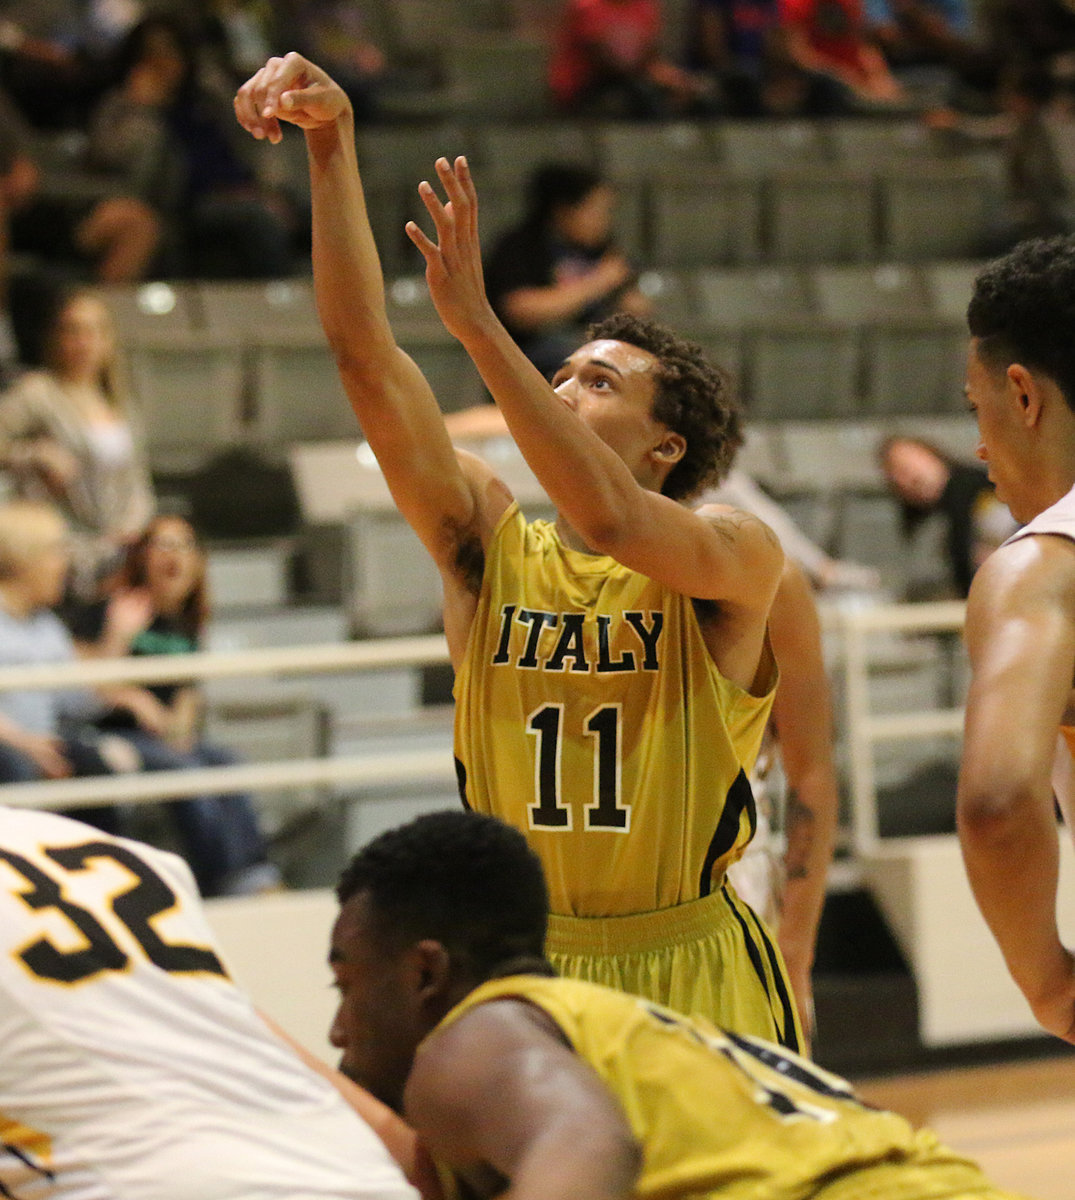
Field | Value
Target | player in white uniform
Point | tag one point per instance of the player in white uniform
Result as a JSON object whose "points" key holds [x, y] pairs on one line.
{"points": [[1021, 618], [131, 1067]]}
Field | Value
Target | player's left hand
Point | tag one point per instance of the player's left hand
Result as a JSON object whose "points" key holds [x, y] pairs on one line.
{"points": [[453, 262]]}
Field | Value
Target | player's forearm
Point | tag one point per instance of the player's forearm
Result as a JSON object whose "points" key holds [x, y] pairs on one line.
{"points": [[347, 271], [810, 834], [586, 480], [1011, 851], [570, 1168]]}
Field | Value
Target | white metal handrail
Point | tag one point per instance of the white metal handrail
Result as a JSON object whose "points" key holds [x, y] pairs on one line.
{"points": [[364, 772], [864, 728]]}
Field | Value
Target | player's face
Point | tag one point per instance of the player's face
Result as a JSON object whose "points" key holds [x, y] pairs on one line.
{"points": [[611, 386], [992, 400], [376, 1026]]}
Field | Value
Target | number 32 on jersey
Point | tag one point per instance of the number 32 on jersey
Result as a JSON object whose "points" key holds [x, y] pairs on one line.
{"points": [[98, 946]]}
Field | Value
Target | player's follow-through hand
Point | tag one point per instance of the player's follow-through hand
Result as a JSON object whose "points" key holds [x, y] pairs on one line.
{"points": [[453, 262], [289, 89]]}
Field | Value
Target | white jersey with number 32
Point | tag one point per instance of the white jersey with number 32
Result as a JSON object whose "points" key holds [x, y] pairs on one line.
{"points": [[131, 1067]]}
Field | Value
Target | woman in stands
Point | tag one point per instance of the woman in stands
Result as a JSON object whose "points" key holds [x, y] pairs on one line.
{"points": [[160, 606], [68, 435]]}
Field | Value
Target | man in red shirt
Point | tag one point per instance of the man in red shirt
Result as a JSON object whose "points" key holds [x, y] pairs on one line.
{"points": [[607, 59], [830, 36]]}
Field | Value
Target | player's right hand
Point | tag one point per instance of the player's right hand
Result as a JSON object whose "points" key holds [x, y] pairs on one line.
{"points": [[289, 89]]}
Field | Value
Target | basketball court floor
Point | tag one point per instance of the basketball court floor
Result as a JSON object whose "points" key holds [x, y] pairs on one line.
{"points": [[1016, 1119]]}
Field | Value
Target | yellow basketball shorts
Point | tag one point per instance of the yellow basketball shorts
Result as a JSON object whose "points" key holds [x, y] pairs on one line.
{"points": [[712, 957]]}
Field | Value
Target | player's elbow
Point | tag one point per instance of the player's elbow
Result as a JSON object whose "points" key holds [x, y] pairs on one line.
{"points": [[988, 812]]}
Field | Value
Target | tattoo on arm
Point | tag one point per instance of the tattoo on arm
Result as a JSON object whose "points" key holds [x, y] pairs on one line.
{"points": [[799, 834], [730, 525]]}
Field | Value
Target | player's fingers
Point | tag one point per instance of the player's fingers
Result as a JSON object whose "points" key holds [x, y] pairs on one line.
{"points": [[453, 189], [442, 218], [417, 235], [466, 182]]}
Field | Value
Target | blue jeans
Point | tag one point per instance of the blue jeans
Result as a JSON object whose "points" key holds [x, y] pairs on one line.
{"points": [[85, 760], [221, 839]]}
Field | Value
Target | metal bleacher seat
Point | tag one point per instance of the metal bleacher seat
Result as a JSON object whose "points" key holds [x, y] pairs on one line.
{"points": [[912, 359], [148, 311], [950, 285], [493, 75], [792, 363], [632, 151], [512, 151], [935, 209], [259, 307], [298, 393], [757, 148], [189, 386], [867, 143], [705, 217], [818, 214]]}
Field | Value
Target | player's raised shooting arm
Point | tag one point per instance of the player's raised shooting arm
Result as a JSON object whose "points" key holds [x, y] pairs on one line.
{"points": [[502, 1100], [719, 555], [1021, 640], [394, 404]]}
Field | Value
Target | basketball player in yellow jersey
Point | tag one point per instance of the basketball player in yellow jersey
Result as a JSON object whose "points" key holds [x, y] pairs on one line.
{"points": [[523, 1084], [613, 668]]}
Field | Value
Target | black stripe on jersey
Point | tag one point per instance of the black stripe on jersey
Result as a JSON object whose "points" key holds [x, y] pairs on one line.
{"points": [[751, 945], [461, 783], [790, 1040], [739, 797]]}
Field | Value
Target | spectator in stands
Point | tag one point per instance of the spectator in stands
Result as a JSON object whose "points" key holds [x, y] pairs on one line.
{"points": [[830, 36], [608, 61], [160, 605], [170, 137], [335, 33], [1041, 32], [917, 31], [741, 44], [560, 268], [68, 435], [114, 237], [1037, 200], [55, 55], [925, 480], [45, 734]]}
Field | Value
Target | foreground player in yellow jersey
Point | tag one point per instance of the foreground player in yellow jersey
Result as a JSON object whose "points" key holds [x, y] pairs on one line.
{"points": [[613, 668], [514, 1079]]}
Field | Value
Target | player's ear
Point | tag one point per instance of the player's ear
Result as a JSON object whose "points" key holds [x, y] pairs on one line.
{"points": [[431, 969], [671, 448], [1027, 388]]}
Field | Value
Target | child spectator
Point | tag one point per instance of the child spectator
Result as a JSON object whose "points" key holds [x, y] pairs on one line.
{"points": [[161, 606], [45, 734]]}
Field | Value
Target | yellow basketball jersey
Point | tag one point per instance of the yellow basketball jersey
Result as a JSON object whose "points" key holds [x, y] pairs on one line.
{"points": [[591, 716], [722, 1114]]}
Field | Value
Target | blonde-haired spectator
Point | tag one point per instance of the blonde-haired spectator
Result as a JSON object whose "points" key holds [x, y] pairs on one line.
{"points": [[68, 435]]}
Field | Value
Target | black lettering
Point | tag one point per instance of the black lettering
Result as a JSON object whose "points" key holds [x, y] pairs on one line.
{"points": [[605, 665], [537, 620], [570, 645], [501, 655], [649, 637]]}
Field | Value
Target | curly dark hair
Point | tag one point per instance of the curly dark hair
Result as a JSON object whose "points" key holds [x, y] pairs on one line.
{"points": [[1023, 310], [466, 880], [694, 398]]}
